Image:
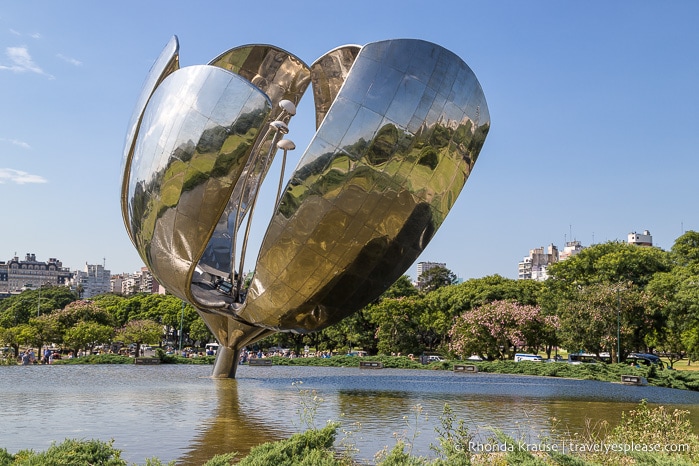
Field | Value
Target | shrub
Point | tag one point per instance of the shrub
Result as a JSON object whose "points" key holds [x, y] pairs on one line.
{"points": [[310, 448], [70, 452], [659, 426], [96, 359]]}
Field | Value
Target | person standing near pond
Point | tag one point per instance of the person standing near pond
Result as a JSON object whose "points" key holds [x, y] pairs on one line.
{"points": [[47, 356], [25, 358]]}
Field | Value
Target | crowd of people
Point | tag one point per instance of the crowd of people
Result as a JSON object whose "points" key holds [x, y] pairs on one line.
{"points": [[28, 357], [246, 354]]}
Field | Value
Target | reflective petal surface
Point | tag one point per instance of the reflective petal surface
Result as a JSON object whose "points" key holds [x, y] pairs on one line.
{"points": [[167, 62], [376, 182], [196, 136]]}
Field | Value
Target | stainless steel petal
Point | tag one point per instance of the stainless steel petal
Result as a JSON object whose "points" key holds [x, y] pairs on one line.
{"points": [[328, 74], [385, 166], [166, 63], [197, 133]]}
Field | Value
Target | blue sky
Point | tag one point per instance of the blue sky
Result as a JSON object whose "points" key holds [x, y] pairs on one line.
{"points": [[594, 109]]}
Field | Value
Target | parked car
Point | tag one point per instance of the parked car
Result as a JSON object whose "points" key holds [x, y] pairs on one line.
{"points": [[644, 359], [583, 358], [434, 358], [528, 357]]}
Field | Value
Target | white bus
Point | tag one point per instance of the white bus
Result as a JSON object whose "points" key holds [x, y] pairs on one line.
{"points": [[211, 347]]}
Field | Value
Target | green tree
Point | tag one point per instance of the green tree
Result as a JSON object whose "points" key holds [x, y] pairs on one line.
{"points": [[403, 287], [396, 322], [85, 335], [685, 250], [611, 262], [454, 300], [435, 278], [114, 305], [675, 296], [164, 309], [198, 331], [591, 320], [26, 335], [19, 309], [76, 312], [47, 330], [140, 332], [354, 331], [11, 337]]}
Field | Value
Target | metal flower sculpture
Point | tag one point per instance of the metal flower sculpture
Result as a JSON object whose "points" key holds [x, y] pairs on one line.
{"points": [[399, 123]]}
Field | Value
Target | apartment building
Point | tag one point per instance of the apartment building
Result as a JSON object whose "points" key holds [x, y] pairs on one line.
{"points": [[640, 239], [93, 280], [17, 275], [533, 267]]}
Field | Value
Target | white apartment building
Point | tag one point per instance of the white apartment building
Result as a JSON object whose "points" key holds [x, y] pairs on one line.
{"points": [[92, 281], [115, 283], [533, 267], [423, 267], [571, 248], [640, 239], [141, 281]]}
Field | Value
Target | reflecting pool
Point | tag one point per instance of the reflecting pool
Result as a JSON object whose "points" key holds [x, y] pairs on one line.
{"points": [[176, 412]]}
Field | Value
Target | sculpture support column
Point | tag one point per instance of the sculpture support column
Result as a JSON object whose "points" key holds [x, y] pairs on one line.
{"points": [[226, 363]]}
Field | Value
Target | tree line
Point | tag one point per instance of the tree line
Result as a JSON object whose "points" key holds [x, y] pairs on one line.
{"points": [[55, 315], [610, 298]]}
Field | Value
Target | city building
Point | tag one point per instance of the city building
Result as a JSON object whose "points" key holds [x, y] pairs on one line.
{"points": [[17, 275], [141, 281], [116, 283], [571, 248], [534, 266], [640, 239], [91, 281], [423, 267]]}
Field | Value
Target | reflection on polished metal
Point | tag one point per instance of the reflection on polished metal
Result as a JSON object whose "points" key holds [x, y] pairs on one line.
{"points": [[400, 124]]}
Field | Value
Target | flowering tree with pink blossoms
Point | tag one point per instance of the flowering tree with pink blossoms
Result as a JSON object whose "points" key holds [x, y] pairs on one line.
{"points": [[495, 330]]}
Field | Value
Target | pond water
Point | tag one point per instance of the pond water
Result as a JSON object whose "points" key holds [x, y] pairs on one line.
{"points": [[177, 412]]}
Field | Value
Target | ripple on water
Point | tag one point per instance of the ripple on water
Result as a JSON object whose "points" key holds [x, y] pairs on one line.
{"points": [[176, 412]]}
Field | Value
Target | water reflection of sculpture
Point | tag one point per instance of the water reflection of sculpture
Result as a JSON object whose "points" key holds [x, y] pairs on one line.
{"points": [[399, 123]]}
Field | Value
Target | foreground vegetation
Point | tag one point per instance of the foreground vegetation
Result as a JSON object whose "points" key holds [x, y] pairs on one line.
{"points": [[644, 436]]}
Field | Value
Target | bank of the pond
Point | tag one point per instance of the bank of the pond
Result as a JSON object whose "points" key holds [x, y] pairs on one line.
{"points": [[682, 380], [645, 436]]}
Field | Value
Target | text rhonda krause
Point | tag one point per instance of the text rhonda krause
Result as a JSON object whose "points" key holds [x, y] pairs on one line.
{"points": [[570, 447]]}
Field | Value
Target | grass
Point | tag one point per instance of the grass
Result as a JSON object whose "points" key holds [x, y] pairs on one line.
{"points": [[683, 380], [678, 379]]}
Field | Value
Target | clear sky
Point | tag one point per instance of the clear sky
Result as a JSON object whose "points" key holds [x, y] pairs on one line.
{"points": [[594, 109]]}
